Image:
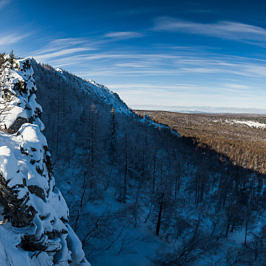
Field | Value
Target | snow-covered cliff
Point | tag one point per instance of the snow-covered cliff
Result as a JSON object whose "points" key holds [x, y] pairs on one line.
{"points": [[34, 216], [100, 92]]}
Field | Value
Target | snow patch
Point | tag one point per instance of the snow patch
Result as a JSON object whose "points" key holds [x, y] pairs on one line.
{"points": [[248, 123]]}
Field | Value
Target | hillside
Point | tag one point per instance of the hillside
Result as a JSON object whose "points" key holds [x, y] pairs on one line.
{"points": [[241, 137], [34, 226], [139, 194]]}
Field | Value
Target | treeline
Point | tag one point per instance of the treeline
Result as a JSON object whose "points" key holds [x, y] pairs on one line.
{"points": [[244, 146], [4, 58]]}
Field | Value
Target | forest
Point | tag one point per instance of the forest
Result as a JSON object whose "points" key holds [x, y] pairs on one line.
{"points": [[241, 137], [138, 191]]}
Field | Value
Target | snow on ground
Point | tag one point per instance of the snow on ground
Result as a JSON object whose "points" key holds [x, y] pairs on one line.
{"points": [[140, 249], [101, 92], [248, 123], [12, 256], [98, 90], [148, 121]]}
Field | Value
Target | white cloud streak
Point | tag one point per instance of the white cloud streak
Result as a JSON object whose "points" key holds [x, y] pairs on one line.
{"points": [[204, 77], [156, 64], [123, 35], [60, 44], [12, 38], [62, 53], [223, 29]]}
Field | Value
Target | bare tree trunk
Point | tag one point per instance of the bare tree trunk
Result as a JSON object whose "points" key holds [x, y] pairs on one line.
{"points": [[123, 197], [246, 232], [154, 173], [125, 180], [158, 225], [58, 126], [82, 198]]}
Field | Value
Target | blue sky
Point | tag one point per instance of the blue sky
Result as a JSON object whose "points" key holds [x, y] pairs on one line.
{"points": [[153, 53]]}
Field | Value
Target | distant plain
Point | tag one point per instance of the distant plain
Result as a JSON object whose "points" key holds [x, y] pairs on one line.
{"points": [[240, 137]]}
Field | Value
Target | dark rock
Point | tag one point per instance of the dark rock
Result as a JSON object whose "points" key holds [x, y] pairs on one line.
{"points": [[37, 191], [16, 125]]}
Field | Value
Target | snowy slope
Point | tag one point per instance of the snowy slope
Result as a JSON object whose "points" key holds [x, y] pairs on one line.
{"points": [[99, 91], [103, 94], [34, 220]]}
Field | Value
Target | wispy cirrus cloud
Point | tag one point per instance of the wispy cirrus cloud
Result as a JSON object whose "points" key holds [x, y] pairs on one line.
{"points": [[123, 35], [222, 29], [207, 75], [8, 39], [77, 48], [58, 49], [59, 44], [236, 86], [134, 64], [182, 94], [62, 52]]}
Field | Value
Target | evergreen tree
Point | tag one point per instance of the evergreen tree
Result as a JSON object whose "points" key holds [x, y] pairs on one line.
{"points": [[11, 58]]}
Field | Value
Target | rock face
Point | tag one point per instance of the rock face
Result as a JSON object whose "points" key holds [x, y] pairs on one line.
{"points": [[33, 211]]}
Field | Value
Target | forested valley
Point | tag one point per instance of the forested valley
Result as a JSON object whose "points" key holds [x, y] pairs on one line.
{"points": [[136, 189]]}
